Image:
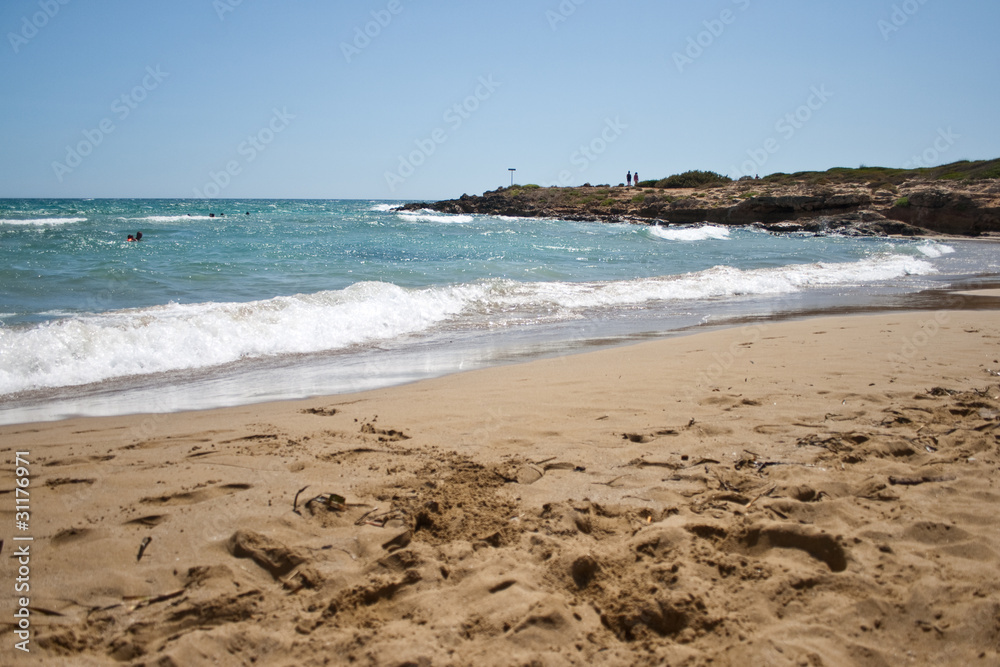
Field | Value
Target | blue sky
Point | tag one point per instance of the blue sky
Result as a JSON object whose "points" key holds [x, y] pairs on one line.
{"points": [[409, 99]]}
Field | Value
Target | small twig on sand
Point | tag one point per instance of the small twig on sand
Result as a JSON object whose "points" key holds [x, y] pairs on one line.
{"points": [[761, 495], [295, 502], [914, 481], [142, 547], [364, 516]]}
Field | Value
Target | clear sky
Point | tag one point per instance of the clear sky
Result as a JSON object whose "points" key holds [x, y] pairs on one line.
{"points": [[413, 99]]}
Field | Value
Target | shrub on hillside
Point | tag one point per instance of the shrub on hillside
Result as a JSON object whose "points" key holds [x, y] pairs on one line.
{"points": [[694, 179]]}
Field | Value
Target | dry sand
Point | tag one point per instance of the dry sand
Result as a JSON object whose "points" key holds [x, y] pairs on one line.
{"points": [[818, 492]]}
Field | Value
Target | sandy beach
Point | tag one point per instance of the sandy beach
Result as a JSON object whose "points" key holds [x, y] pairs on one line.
{"points": [[817, 492]]}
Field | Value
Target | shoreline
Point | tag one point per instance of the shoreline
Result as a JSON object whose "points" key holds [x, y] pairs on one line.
{"points": [[97, 400], [767, 492]]}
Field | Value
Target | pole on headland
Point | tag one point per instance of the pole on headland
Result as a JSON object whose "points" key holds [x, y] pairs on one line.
{"points": [[511, 170]]}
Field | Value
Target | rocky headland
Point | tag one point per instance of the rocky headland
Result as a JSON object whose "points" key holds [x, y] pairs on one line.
{"points": [[960, 199]]}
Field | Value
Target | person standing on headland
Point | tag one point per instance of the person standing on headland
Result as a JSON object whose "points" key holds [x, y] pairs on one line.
{"points": [[628, 179], [636, 179]]}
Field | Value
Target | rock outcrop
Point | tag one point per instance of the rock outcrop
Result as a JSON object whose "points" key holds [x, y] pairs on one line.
{"points": [[967, 208]]}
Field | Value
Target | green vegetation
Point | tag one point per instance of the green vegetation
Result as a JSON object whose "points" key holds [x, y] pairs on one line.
{"points": [[903, 202], [517, 189], [693, 179], [991, 170], [883, 177]]}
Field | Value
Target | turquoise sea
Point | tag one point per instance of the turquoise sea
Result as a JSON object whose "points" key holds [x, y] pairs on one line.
{"points": [[228, 302]]}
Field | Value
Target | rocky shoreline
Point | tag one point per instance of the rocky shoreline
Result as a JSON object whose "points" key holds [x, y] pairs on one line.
{"points": [[915, 207]]}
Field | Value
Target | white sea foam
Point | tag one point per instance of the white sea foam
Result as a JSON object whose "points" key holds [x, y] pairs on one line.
{"points": [[43, 222], [427, 215], [934, 250], [691, 233], [175, 218], [94, 348], [384, 208], [717, 282]]}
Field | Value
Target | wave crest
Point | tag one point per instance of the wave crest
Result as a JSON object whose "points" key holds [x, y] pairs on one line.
{"points": [[94, 348], [691, 233]]}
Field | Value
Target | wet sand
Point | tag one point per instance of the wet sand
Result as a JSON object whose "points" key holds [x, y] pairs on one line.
{"points": [[817, 492]]}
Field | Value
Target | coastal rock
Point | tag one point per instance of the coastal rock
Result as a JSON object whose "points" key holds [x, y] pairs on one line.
{"points": [[779, 209], [911, 208], [947, 211], [861, 223]]}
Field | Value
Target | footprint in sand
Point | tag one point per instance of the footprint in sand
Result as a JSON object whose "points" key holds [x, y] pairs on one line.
{"points": [[321, 412], [149, 520], [821, 546], [384, 434], [64, 481], [929, 532], [198, 496], [761, 539], [79, 460], [68, 535], [950, 540], [648, 437]]}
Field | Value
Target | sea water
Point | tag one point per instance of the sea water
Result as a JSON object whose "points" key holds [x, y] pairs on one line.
{"points": [[229, 302]]}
